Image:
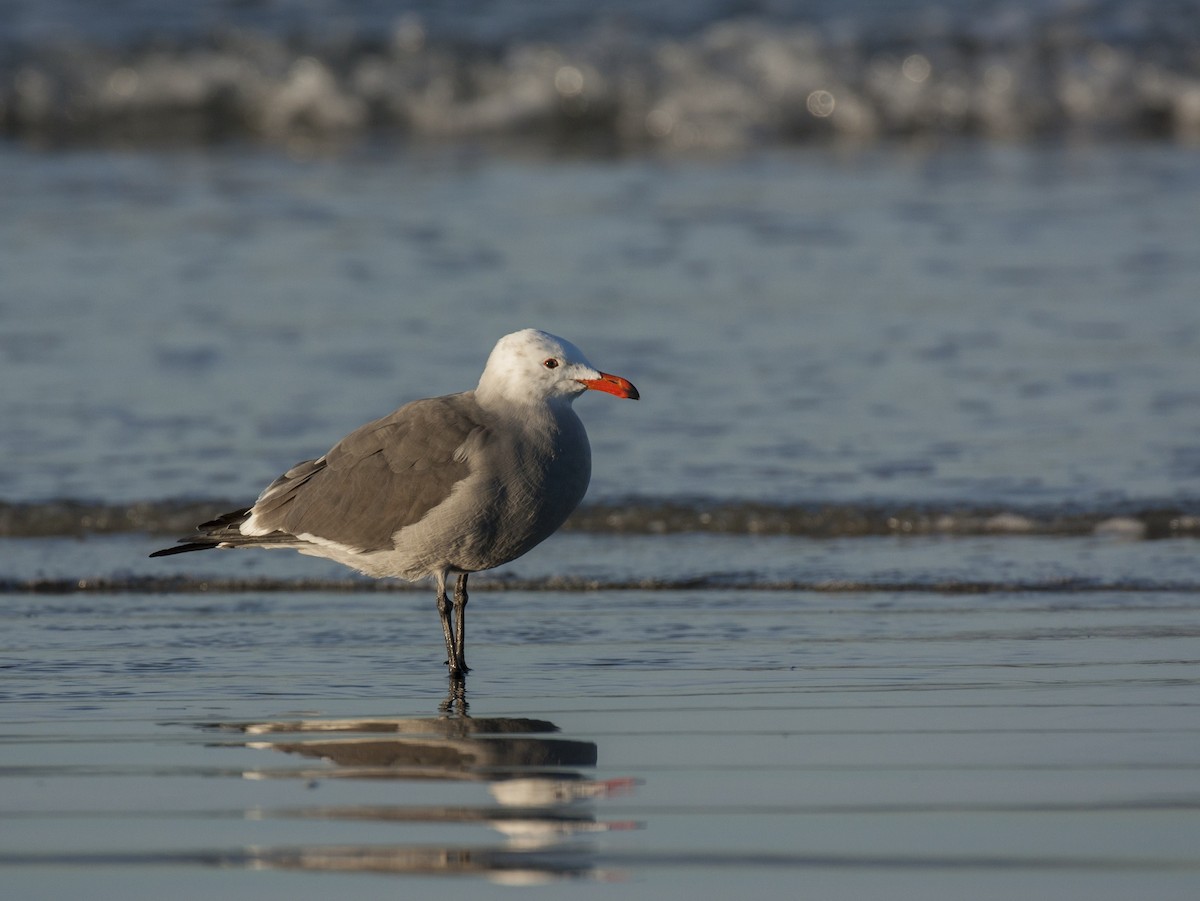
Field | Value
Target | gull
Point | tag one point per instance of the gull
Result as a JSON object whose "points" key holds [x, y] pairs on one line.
{"points": [[442, 487]]}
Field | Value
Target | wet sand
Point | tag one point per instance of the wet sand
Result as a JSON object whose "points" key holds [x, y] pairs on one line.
{"points": [[683, 744]]}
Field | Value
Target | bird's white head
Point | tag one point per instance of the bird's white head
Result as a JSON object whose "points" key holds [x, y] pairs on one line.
{"points": [[533, 366]]}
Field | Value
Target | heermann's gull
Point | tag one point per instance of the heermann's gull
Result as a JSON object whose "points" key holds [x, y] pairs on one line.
{"points": [[443, 486]]}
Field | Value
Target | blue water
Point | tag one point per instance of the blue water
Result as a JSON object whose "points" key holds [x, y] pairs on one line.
{"points": [[975, 323], [233, 232]]}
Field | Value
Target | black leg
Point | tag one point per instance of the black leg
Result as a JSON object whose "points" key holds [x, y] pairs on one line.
{"points": [[443, 609], [460, 626]]}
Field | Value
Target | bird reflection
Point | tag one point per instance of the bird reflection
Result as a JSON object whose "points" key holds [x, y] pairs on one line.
{"points": [[541, 804]]}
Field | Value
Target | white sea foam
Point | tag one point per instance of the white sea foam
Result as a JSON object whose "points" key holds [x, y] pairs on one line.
{"points": [[724, 85]]}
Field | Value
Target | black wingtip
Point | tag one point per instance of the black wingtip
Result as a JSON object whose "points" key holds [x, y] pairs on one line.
{"points": [[205, 542], [184, 548], [225, 520]]}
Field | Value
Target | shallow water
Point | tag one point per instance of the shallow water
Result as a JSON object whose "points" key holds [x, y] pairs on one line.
{"points": [[871, 744]]}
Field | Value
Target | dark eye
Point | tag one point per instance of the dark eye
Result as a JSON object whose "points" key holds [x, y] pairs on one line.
{"points": [[550, 363]]}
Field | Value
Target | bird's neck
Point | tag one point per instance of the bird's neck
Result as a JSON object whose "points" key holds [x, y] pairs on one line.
{"points": [[495, 399]]}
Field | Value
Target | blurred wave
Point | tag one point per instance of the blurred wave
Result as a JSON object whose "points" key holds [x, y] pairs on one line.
{"points": [[1105, 70], [649, 516], [192, 584]]}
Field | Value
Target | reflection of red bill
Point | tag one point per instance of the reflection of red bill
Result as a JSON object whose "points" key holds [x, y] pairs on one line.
{"points": [[610, 787], [621, 825]]}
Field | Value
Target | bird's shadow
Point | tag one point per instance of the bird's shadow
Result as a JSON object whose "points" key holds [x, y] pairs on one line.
{"points": [[539, 797]]}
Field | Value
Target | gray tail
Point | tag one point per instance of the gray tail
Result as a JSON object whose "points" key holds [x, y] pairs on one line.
{"points": [[224, 531]]}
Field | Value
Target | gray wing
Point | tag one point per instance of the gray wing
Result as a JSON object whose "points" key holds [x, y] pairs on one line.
{"points": [[381, 477]]}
